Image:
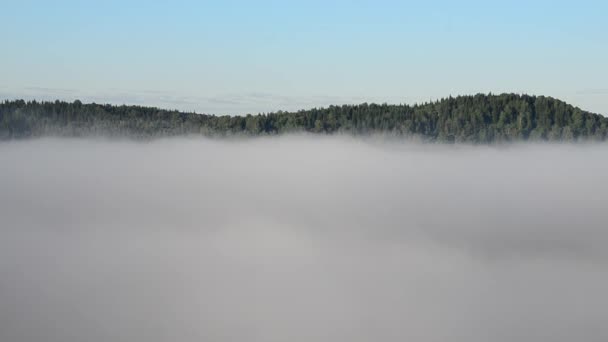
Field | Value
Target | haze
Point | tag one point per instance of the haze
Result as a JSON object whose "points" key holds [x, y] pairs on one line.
{"points": [[302, 239]]}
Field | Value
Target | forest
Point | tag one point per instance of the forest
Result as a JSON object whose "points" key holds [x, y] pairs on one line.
{"points": [[481, 118]]}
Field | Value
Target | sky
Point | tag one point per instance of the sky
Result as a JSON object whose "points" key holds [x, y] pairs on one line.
{"points": [[237, 57]]}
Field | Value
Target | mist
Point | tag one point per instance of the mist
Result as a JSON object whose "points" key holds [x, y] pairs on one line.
{"points": [[302, 238]]}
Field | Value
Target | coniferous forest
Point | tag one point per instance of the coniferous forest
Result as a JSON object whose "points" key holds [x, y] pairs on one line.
{"points": [[472, 119]]}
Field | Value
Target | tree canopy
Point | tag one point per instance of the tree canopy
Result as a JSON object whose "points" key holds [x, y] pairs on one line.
{"points": [[475, 119]]}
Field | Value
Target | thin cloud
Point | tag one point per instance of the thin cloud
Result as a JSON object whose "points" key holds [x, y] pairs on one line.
{"points": [[232, 104], [592, 92]]}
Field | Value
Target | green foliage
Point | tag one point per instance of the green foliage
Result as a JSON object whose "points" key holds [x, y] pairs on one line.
{"points": [[474, 119]]}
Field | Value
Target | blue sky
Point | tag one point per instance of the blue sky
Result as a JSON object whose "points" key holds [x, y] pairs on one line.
{"points": [[236, 57]]}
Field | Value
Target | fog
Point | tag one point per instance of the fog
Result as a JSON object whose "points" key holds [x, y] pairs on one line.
{"points": [[302, 239]]}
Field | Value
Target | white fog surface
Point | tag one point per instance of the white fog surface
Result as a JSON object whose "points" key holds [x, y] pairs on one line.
{"points": [[302, 238]]}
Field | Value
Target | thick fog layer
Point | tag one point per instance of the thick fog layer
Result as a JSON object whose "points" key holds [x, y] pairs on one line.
{"points": [[302, 239]]}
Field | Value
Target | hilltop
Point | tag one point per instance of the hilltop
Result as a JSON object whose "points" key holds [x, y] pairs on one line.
{"points": [[476, 119]]}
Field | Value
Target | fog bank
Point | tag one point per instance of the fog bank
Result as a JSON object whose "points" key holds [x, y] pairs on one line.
{"points": [[302, 239]]}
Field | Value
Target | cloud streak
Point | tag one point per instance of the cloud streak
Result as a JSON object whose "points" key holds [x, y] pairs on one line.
{"points": [[220, 104]]}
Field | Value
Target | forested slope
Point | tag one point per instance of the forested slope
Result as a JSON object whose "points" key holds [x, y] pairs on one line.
{"points": [[476, 119]]}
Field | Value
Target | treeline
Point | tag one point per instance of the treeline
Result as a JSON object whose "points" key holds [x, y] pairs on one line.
{"points": [[475, 119]]}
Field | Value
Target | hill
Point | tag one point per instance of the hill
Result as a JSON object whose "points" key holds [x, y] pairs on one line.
{"points": [[475, 119]]}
